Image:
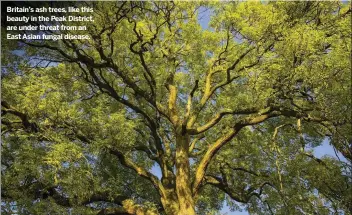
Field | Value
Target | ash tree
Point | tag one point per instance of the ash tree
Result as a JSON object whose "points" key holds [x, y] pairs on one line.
{"points": [[159, 114]]}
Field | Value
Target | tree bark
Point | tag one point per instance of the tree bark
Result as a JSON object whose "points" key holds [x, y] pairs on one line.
{"points": [[170, 202], [183, 180]]}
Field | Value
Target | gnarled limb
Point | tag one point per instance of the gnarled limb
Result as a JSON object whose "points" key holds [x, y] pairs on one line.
{"points": [[212, 122], [214, 148], [139, 170]]}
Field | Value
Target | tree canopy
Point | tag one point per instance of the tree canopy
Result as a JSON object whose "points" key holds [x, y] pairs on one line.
{"points": [[228, 113]]}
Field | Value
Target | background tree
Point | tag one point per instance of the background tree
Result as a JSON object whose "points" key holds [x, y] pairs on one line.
{"points": [[228, 113]]}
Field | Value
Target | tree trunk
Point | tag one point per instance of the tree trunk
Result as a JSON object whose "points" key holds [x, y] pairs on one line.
{"points": [[170, 202], [183, 180]]}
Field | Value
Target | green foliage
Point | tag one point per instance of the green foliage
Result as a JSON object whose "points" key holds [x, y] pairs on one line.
{"points": [[82, 132]]}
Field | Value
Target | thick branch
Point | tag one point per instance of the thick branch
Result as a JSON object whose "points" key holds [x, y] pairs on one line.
{"points": [[211, 123], [139, 170], [209, 155], [6, 108], [213, 149], [193, 143]]}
